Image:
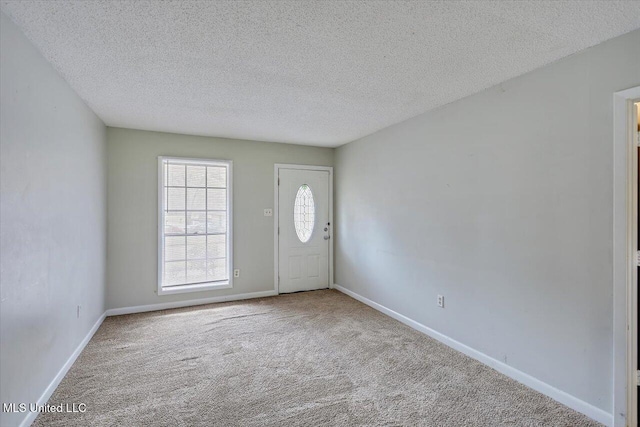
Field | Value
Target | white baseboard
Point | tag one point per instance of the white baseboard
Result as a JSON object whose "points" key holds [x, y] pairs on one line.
{"points": [[44, 398], [534, 383], [188, 303]]}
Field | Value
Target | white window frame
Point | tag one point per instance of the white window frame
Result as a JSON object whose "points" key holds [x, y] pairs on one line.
{"points": [[178, 289]]}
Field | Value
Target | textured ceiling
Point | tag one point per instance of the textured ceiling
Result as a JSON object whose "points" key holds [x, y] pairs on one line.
{"points": [[318, 73]]}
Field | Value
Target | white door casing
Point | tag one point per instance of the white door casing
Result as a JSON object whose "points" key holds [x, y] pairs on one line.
{"points": [[624, 266], [303, 260]]}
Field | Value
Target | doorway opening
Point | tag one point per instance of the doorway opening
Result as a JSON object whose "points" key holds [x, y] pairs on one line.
{"points": [[625, 257], [634, 335]]}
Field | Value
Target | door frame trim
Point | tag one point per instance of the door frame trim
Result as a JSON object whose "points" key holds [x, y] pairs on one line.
{"points": [[276, 217], [624, 258]]}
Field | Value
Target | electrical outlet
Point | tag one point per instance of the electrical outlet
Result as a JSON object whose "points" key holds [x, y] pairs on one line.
{"points": [[268, 212], [441, 301], [236, 272], [78, 312]]}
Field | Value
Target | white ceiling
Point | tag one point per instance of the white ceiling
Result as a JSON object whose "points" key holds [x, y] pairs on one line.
{"points": [[319, 73]]}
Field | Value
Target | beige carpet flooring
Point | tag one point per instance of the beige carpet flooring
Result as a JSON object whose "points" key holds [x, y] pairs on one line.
{"points": [[306, 359]]}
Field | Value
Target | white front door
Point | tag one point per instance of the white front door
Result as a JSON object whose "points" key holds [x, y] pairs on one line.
{"points": [[304, 229]]}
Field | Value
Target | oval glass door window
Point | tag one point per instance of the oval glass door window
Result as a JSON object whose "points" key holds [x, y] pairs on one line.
{"points": [[304, 213]]}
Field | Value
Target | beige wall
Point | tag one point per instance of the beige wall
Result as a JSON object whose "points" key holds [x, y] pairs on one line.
{"points": [[132, 209], [52, 221], [503, 203]]}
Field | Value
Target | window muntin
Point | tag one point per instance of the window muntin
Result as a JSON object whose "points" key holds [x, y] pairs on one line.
{"points": [[304, 211], [195, 217]]}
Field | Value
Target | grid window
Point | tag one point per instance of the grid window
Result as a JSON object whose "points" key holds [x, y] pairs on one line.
{"points": [[195, 232]]}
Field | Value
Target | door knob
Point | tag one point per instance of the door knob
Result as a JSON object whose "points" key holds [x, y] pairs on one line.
{"points": [[327, 237]]}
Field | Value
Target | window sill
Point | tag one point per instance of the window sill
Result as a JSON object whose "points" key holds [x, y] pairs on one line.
{"points": [[194, 288]]}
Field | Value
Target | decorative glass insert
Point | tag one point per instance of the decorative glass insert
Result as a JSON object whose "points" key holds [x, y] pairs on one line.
{"points": [[304, 213]]}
